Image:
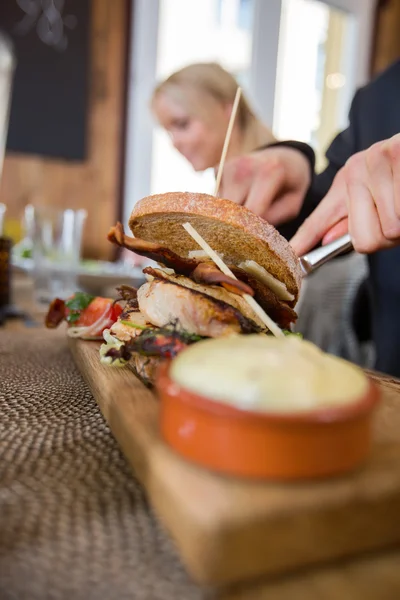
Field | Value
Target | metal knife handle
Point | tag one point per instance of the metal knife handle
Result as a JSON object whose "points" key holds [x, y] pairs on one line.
{"points": [[314, 259]]}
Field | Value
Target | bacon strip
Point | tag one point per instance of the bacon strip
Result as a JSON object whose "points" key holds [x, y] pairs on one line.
{"points": [[55, 314], [201, 272], [151, 250], [208, 273]]}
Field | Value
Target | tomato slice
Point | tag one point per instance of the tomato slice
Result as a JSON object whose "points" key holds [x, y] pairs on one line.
{"points": [[101, 312], [115, 312], [96, 309]]}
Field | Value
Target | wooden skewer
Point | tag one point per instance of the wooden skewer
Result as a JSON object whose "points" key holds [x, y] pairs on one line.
{"points": [[227, 139], [266, 319]]}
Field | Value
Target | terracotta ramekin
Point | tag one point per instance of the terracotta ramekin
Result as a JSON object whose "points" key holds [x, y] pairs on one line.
{"points": [[242, 443]]}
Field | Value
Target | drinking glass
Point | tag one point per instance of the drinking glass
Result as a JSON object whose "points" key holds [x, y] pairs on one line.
{"points": [[7, 67], [56, 251]]}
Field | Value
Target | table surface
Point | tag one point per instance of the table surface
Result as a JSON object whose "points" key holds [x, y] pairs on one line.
{"points": [[74, 520]]}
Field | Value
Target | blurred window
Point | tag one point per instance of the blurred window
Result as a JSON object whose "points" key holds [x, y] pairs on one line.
{"points": [[313, 72], [197, 31]]}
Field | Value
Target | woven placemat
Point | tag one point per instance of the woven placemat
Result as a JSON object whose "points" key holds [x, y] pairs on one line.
{"points": [[74, 522]]}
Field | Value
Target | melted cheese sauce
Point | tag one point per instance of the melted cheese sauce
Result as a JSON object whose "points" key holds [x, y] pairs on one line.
{"points": [[268, 374]]}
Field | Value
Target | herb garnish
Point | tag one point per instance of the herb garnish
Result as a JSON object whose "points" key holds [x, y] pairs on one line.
{"points": [[76, 304]]}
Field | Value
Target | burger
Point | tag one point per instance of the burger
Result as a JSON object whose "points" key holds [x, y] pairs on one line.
{"points": [[187, 297]]}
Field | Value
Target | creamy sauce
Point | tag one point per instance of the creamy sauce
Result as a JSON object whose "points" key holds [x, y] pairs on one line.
{"points": [[268, 374]]}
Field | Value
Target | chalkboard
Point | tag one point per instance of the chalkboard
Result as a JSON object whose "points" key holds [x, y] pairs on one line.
{"points": [[49, 107]]}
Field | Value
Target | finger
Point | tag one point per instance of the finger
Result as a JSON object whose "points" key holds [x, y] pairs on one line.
{"points": [[286, 207], [329, 212], [265, 188], [380, 182], [392, 150], [336, 232], [311, 231], [236, 179], [364, 224]]}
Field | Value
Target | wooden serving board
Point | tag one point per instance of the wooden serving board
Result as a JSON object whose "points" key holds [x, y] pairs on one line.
{"points": [[228, 529]]}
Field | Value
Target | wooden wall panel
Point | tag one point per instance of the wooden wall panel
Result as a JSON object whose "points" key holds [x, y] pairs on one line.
{"points": [[94, 184], [386, 48]]}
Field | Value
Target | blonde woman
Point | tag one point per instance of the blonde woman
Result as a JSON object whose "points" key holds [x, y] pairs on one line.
{"points": [[194, 105]]}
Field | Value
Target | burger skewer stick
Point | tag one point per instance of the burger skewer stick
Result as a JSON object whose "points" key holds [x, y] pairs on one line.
{"points": [[272, 326], [268, 322], [227, 139]]}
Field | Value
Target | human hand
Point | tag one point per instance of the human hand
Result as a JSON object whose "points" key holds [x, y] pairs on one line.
{"points": [[364, 199], [271, 183]]}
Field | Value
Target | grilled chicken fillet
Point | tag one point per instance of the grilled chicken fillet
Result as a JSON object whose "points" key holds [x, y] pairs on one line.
{"points": [[208, 311]]}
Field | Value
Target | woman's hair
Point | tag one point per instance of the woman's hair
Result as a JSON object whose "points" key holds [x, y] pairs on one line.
{"points": [[193, 84]]}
